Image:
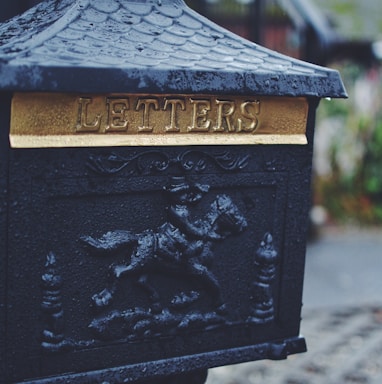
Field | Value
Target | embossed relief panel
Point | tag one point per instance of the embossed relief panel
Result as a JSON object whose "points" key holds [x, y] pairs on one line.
{"points": [[139, 255]]}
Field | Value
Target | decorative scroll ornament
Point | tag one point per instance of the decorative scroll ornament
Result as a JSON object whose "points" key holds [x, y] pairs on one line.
{"points": [[266, 259], [151, 162]]}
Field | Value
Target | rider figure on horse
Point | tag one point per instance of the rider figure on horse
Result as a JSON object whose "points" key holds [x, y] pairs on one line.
{"points": [[179, 242], [180, 236]]}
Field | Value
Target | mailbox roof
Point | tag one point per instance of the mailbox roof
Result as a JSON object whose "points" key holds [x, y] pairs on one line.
{"points": [[151, 46]]}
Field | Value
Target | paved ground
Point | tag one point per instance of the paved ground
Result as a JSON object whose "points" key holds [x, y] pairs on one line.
{"points": [[344, 268], [342, 318]]}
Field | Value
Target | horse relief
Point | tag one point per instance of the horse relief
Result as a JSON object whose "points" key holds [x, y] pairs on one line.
{"points": [[181, 246]]}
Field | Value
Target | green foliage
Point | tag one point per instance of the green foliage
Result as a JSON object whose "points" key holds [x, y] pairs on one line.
{"points": [[273, 11], [352, 190], [354, 19], [343, 8]]}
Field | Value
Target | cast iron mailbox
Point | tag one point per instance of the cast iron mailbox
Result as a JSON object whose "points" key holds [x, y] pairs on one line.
{"points": [[155, 174]]}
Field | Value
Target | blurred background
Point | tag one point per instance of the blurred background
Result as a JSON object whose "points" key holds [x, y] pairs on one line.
{"points": [[342, 34], [342, 312]]}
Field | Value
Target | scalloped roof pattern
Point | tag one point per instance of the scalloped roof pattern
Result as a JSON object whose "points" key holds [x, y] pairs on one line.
{"points": [[135, 34]]}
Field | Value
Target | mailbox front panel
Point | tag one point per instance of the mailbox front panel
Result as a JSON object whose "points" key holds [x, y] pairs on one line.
{"points": [[133, 262], [154, 193]]}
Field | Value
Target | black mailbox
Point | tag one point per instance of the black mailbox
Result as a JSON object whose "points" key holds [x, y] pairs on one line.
{"points": [[155, 176]]}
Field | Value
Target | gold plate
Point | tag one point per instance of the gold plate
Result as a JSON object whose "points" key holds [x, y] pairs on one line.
{"points": [[42, 120]]}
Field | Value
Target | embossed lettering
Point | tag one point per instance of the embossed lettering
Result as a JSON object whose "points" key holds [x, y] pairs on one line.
{"points": [[155, 119], [199, 121], [225, 110], [82, 119], [117, 121], [250, 115], [173, 103], [207, 115], [146, 103]]}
